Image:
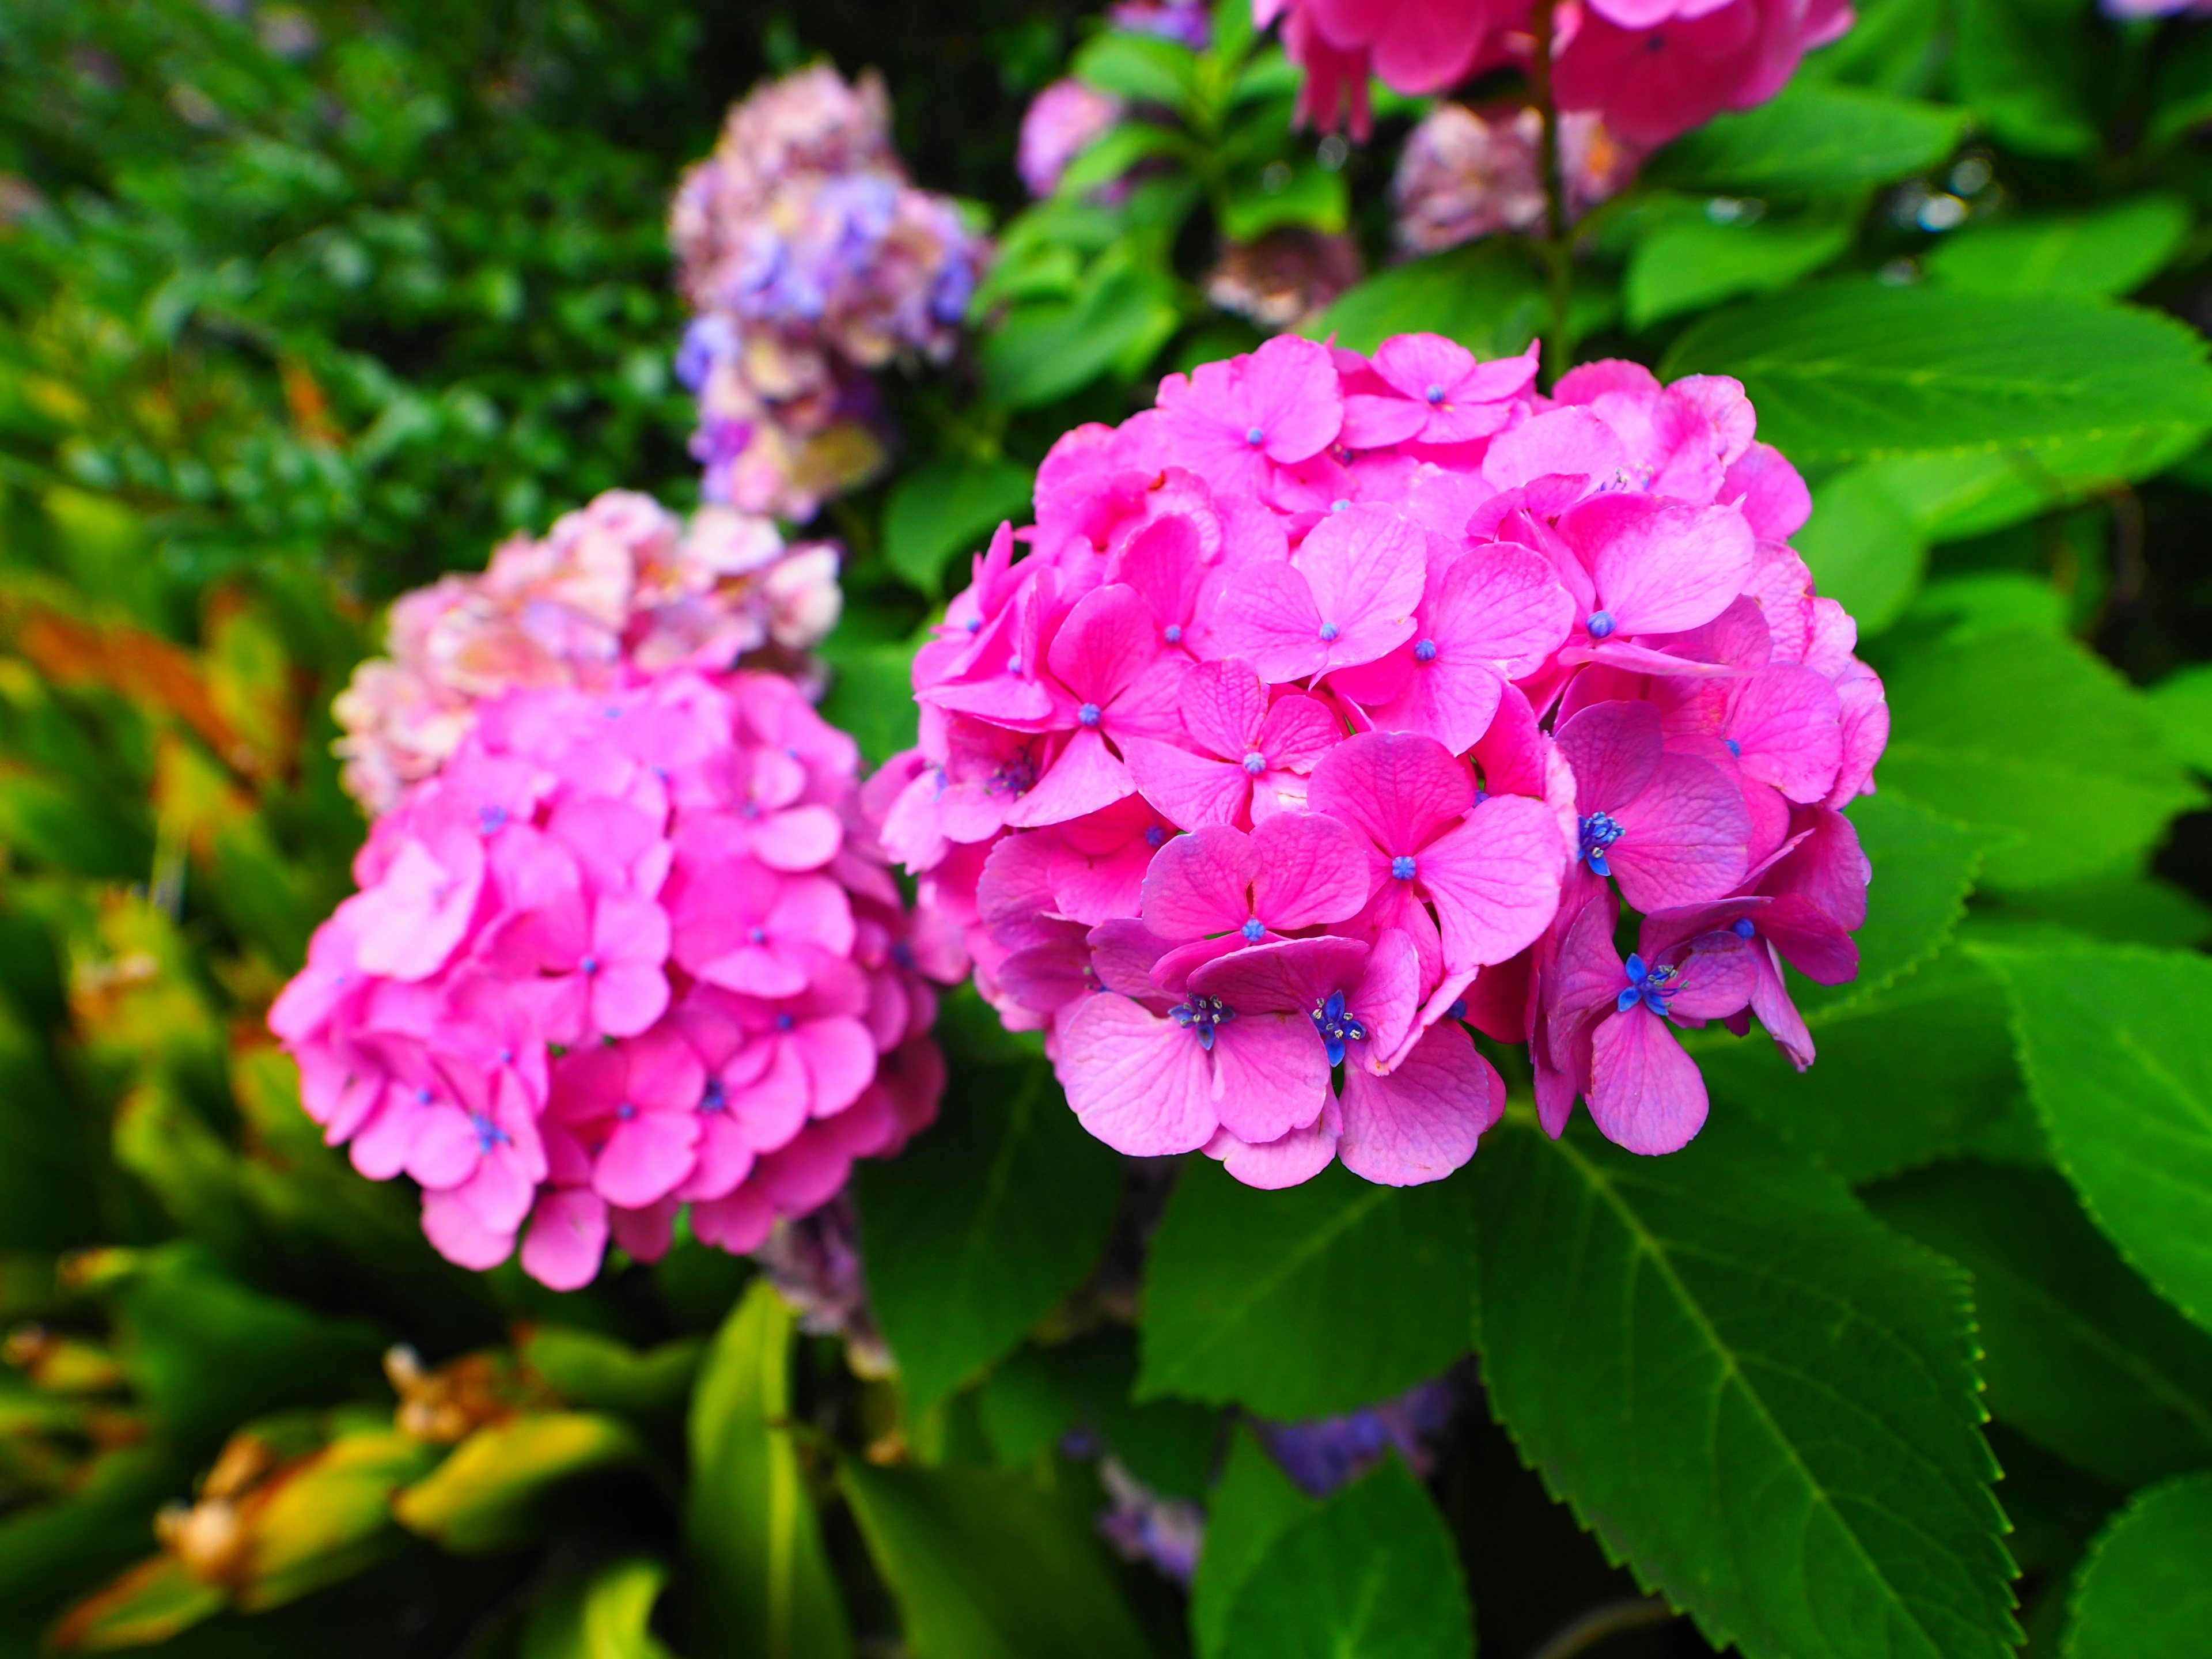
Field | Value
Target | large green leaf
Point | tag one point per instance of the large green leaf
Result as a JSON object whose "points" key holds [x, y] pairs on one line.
{"points": [[872, 696], [1371, 1572], [2144, 1593], [1924, 865], [1755, 1394], [1485, 295], [2078, 1354], [1691, 262], [948, 507], [763, 1581], [1254, 1504], [2038, 743], [1305, 1303], [2113, 251], [984, 1567], [1043, 351], [2113, 1039], [1813, 137], [1864, 545], [982, 1224], [2022, 67], [1854, 371], [2182, 703]]}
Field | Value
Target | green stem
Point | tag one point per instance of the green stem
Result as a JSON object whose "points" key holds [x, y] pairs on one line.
{"points": [[1557, 250]]}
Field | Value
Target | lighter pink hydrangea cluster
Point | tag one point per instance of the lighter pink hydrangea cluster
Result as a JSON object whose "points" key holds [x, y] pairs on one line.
{"points": [[618, 588], [1463, 176], [630, 949], [810, 261], [1335, 706], [1651, 69]]}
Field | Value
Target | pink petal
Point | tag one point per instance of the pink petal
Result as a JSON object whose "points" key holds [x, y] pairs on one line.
{"points": [[1414, 362], [1296, 732], [1388, 997], [453, 1227], [1311, 869], [1787, 726], [1197, 884], [772, 1108], [1191, 790], [724, 1159], [443, 1150], [1503, 605], [1086, 777], [1107, 642], [646, 1157], [1091, 886], [1717, 978], [1495, 879], [1373, 421], [1571, 442], [1770, 1001], [1296, 1158], [1289, 976], [626, 1001], [567, 1239], [1660, 566], [1422, 1122], [1294, 398], [1268, 616], [1138, 1082], [1769, 492], [738, 1223], [1397, 789], [1686, 837], [1646, 1095], [798, 838], [1366, 567], [840, 1061], [1224, 704], [646, 1233], [808, 1172], [1615, 749], [1270, 1074]]}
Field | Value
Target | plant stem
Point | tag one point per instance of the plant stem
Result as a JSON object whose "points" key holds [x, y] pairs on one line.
{"points": [[1558, 252], [1580, 1634]]}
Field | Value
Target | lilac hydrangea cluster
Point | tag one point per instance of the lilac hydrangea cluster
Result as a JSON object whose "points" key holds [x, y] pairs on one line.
{"points": [[810, 261], [1338, 704], [629, 949], [617, 588], [1464, 174]]}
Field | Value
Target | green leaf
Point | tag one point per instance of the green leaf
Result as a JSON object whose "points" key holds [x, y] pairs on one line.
{"points": [[1113, 153], [983, 1566], [1863, 545], [2113, 1039], [1921, 1072], [982, 1225], [1485, 295], [329, 1517], [2183, 704], [1044, 351], [2021, 66], [1307, 195], [606, 1616], [947, 506], [1755, 1394], [1300, 1303], [1137, 66], [1254, 1504], [1813, 137], [2144, 1593], [2181, 89], [1690, 263], [1924, 866], [2111, 252], [151, 1603], [2078, 1354], [600, 1374], [488, 1494], [2039, 744], [763, 1583], [1373, 1571], [871, 696], [1848, 372]]}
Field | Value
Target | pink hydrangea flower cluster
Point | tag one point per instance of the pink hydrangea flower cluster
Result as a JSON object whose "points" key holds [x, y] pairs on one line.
{"points": [[620, 586], [1650, 68], [1463, 176], [1338, 702], [630, 949], [810, 261]]}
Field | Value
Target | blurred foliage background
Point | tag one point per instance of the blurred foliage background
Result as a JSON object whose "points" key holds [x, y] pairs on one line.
{"points": [[301, 304]]}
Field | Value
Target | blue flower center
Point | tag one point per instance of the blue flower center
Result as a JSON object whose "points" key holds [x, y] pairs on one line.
{"points": [[1089, 714], [1155, 837], [972, 624], [424, 1096], [1434, 393], [784, 1022], [1014, 662], [1255, 763], [588, 966], [1337, 1026], [1329, 631], [490, 820], [1202, 1016], [757, 934], [1016, 776], [489, 1135], [625, 1111], [1600, 624], [1403, 866], [1655, 987], [1599, 831], [1255, 437], [1425, 650], [1254, 930], [1741, 927], [1172, 633], [1735, 748], [715, 1098]]}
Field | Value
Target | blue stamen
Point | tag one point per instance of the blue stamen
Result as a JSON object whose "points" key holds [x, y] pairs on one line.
{"points": [[1255, 763], [1458, 1010], [1155, 837], [1735, 748], [784, 1022], [1338, 506], [1424, 651], [1202, 1016], [1655, 987], [1254, 436], [490, 820], [715, 1098], [757, 934], [1337, 1026], [1089, 714], [1403, 866], [1172, 633], [588, 966], [1254, 930], [1601, 624], [972, 624], [1434, 393], [1014, 662], [424, 1096], [1599, 831], [1741, 927], [489, 1135], [625, 1111], [1329, 632]]}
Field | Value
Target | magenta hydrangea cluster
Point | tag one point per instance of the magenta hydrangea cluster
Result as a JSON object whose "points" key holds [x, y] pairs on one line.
{"points": [[1651, 69], [617, 588], [630, 949], [810, 261], [1337, 704], [1464, 174]]}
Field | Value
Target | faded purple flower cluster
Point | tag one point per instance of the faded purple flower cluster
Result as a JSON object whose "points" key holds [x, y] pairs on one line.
{"points": [[1338, 703], [1462, 175], [810, 261], [619, 587]]}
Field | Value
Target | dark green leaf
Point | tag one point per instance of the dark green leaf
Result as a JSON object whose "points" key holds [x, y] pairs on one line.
{"points": [[2144, 1593], [2078, 1354], [2182, 90], [1371, 1572], [2021, 66], [2113, 1039], [1848, 372], [1691, 262], [2036, 742], [981, 1225], [949, 507], [1754, 1392], [1952, 497], [600, 1374], [1254, 1504], [1924, 866], [1813, 137], [763, 1583], [983, 1566], [2113, 251], [1305, 1303], [1863, 545], [1307, 195], [1114, 152], [605, 1616], [1485, 295], [872, 696], [1044, 351]]}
